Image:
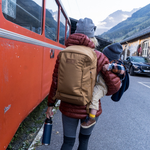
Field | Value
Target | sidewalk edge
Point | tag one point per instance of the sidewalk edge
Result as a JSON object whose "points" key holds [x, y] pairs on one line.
{"points": [[38, 137]]}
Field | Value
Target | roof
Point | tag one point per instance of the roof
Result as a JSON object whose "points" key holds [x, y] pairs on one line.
{"points": [[102, 39], [136, 35]]}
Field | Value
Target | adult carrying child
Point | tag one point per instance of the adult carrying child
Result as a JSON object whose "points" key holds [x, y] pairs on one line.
{"points": [[73, 113]]}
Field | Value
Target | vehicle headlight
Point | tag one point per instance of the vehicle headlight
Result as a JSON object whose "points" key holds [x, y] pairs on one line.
{"points": [[136, 66]]}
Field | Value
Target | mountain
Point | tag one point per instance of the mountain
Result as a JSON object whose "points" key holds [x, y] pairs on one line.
{"points": [[137, 22], [113, 19]]}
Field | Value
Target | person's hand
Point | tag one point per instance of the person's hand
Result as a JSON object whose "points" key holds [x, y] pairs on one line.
{"points": [[49, 112], [105, 67]]}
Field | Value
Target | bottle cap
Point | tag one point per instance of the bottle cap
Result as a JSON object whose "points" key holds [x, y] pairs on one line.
{"points": [[48, 120]]}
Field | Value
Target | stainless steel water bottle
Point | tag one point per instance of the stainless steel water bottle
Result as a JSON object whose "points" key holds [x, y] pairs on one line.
{"points": [[47, 131]]}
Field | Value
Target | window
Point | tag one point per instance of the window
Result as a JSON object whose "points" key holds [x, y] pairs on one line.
{"points": [[26, 13], [51, 20], [145, 49], [62, 29], [139, 59]]}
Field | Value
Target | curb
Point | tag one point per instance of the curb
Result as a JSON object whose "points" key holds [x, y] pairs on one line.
{"points": [[38, 137]]}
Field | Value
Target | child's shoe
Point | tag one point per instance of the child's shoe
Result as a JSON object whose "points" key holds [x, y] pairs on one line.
{"points": [[88, 122]]}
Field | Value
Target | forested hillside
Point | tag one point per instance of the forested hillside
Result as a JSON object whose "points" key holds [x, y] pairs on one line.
{"points": [[137, 22], [112, 20]]}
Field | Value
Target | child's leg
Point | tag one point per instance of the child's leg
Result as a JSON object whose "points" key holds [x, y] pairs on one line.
{"points": [[92, 113], [90, 120], [100, 90]]}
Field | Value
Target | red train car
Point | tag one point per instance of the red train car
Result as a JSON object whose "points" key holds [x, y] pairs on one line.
{"points": [[32, 32]]}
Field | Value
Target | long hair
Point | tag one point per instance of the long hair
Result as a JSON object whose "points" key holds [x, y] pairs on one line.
{"points": [[95, 41]]}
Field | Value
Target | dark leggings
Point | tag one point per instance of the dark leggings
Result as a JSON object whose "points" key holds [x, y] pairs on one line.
{"points": [[83, 141], [69, 142], [69, 128]]}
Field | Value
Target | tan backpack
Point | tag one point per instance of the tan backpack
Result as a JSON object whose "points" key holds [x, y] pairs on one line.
{"points": [[76, 75]]}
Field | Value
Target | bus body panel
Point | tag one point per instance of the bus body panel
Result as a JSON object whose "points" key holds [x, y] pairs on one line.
{"points": [[48, 66], [25, 78], [21, 74], [27, 60]]}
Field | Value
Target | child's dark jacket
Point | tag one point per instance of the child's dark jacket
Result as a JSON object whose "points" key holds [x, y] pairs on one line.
{"points": [[124, 86]]}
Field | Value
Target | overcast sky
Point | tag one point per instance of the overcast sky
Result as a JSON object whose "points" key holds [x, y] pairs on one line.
{"points": [[98, 10]]}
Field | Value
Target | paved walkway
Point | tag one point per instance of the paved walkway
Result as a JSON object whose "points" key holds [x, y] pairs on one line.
{"points": [[123, 125], [57, 135]]}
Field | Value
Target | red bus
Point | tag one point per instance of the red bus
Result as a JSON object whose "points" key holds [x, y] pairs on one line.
{"points": [[32, 32]]}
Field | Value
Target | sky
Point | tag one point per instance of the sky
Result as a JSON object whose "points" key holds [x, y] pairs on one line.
{"points": [[98, 10]]}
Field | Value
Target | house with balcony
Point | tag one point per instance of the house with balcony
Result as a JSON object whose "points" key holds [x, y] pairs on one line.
{"points": [[137, 44]]}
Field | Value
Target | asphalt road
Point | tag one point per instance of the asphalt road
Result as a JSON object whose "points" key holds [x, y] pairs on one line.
{"points": [[123, 125]]}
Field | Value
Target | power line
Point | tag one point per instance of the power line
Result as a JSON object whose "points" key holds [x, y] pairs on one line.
{"points": [[69, 7]]}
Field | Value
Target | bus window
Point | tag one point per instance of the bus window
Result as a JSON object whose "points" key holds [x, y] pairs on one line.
{"points": [[27, 13], [68, 30], [51, 20], [62, 29]]}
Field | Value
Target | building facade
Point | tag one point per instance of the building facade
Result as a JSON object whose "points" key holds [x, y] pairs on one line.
{"points": [[137, 45]]}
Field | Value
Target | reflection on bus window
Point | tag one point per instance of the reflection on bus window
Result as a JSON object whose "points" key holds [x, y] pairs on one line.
{"points": [[68, 30], [51, 20], [26, 13], [62, 29]]}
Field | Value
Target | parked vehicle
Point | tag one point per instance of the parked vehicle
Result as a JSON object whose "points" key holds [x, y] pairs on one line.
{"points": [[137, 65]]}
